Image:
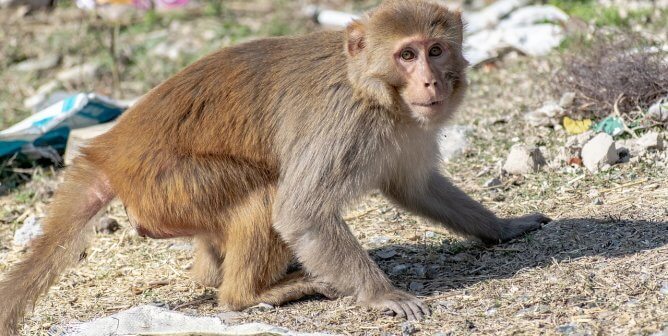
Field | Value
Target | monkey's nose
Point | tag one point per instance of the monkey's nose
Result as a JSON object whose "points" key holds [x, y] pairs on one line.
{"points": [[431, 83]]}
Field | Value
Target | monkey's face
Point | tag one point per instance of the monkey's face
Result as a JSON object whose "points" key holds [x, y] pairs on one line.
{"points": [[429, 72]]}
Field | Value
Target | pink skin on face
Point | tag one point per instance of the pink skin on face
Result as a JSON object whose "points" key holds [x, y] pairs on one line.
{"points": [[423, 61]]}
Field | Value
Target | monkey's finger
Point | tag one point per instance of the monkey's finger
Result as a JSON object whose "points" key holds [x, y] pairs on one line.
{"points": [[416, 309], [410, 315], [398, 310], [424, 307]]}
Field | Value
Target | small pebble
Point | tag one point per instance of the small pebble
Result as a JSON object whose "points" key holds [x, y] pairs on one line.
{"points": [[597, 201], [408, 328], [107, 225], [416, 286]]}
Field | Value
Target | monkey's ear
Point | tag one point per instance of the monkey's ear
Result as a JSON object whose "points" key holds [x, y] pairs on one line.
{"points": [[461, 25], [355, 38]]}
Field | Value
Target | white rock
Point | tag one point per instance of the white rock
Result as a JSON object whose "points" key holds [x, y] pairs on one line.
{"points": [[83, 72], [547, 115], [659, 111], [454, 141], [598, 152], [31, 229], [36, 64], [651, 140], [567, 99], [523, 160]]}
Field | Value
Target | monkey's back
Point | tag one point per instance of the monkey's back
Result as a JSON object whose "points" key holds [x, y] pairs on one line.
{"points": [[211, 127]]}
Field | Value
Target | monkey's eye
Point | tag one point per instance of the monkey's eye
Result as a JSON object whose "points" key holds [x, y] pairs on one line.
{"points": [[407, 55], [435, 51]]}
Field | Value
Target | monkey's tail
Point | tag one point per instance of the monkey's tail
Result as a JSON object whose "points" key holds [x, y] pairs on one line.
{"points": [[79, 198]]}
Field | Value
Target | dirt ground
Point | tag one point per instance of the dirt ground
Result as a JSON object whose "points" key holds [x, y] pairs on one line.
{"points": [[597, 269]]}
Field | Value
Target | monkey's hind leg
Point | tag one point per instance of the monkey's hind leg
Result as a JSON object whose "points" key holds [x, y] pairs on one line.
{"points": [[208, 264], [256, 260]]}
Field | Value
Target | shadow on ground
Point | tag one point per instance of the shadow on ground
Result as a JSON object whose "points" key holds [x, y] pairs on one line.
{"points": [[437, 268]]}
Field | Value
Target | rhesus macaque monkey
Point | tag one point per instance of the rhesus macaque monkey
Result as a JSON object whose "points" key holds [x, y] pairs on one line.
{"points": [[256, 148]]}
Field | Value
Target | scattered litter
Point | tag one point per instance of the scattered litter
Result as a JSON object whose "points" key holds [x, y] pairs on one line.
{"points": [[576, 127], [51, 126], [454, 141], [31, 228], [612, 125], [523, 160], [107, 225], [546, 115], [599, 152], [659, 110], [503, 25], [147, 319]]}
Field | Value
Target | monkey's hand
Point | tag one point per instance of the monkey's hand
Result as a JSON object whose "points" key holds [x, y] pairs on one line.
{"points": [[515, 227], [396, 302]]}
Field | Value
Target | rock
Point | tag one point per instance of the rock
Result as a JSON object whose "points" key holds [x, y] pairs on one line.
{"points": [[37, 64], [408, 328], [31, 229], [597, 201], [546, 115], [566, 329], [107, 225], [454, 141], [420, 271], [380, 240], [523, 160], [80, 73], [651, 141], [664, 289], [415, 286], [430, 234], [577, 141], [567, 100], [399, 269], [492, 183], [386, 253], [659, 110], [598, 152]]}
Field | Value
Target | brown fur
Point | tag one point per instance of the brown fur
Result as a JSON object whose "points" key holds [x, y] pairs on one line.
{"points": [[256, 148]]}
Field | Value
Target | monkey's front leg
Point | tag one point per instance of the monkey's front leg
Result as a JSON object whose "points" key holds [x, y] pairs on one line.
{"points": [[329, 251], [438, 199]]}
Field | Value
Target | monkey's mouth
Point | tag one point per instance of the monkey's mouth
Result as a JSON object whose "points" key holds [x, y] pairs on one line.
{"points": [[430, 104]]}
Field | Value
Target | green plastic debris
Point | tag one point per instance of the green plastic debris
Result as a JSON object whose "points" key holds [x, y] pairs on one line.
{"points": [[612, 125]]}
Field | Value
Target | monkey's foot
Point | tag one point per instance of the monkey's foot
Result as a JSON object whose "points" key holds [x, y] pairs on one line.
{"points": [[518, 226], [400, 304]]}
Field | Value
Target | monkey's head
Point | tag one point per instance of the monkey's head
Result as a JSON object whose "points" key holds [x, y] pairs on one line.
{"points": [[408, 56]]}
